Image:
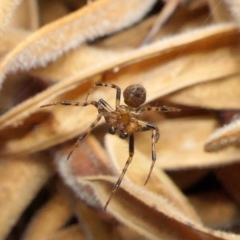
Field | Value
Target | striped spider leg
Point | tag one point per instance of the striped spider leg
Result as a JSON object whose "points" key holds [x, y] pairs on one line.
{"points": [[86, 103], [155, 131]]}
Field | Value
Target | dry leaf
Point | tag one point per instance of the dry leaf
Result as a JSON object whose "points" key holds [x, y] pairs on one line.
{"points": [[95, 228], [26, 16], [229, 179], [188, 150], [44, 45], [7, 9], [145, 202], [206, 95], [223, 137], [52, 217], [193, 61], [234, 7], [212, 206], [152, 220], [21, 180], [73, 232]]}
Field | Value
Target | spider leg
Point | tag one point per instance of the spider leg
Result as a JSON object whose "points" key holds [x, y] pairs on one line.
{"points": [[118, 183], [70, 103], [159, 109], [84, 134], [155, 136], [110, 85], [105, 105], [145, 126]]}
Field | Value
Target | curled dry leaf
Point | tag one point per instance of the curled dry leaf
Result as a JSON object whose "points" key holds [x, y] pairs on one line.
{"points": [[52, 217], [7, 9], [27, 177], [46, 11], [168, 9], [127, 233], [234, 7], [153, 220], [80, 182], [154, 211], [185, 178], [73, 232], [181, 147], [10, 39], [26, 16], [18, 14], [94, 227], [96, 164], [212, 206], [85, 24], [228, 176], [220, 11], [229, 135], [207, 94], [93, 161]]}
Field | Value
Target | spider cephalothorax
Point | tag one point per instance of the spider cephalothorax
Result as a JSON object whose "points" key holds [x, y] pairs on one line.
{"points": [[123, 120]]}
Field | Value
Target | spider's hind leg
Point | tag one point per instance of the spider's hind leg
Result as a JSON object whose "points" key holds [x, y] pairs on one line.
{"points": [[158, 109], [155, 137], [146, 126], [110, 85], [118, 183]]}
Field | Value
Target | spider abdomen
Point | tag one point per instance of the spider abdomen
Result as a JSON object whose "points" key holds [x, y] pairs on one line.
{"points": [[134, 95]]}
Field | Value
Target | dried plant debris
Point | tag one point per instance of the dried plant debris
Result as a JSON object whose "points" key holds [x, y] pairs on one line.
{"points": [[6, 13], [191, 62], [229, 135]]}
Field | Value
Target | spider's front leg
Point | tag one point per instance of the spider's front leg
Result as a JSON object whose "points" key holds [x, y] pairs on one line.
{"points": [[71, 103], [100, 104], [158, 109], [118, 183], [110, 85]]}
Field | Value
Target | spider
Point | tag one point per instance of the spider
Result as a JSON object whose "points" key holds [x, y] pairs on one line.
{"points": [[123, 120]]}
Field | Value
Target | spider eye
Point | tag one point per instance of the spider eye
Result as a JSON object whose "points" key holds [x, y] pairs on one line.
{"points": [[134, 95], [112, 130], [123, 135]]}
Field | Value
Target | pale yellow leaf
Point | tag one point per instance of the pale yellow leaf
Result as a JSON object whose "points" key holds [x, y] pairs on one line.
{"points": [[50, 218], [181, 144], [26, 16], [228, 135], [207, 94], [7, 9], [21, 180], [73, 232], [94, 20], [153, 220]]}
